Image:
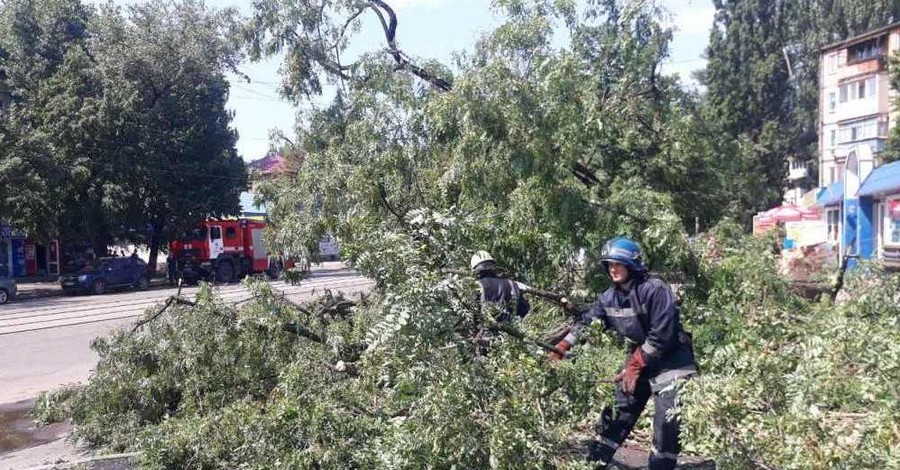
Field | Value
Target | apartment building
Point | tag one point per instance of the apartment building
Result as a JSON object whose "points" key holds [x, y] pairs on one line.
{"points": [[856, 112]]}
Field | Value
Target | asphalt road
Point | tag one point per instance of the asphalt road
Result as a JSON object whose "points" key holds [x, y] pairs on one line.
{"points": [[45, 343]]}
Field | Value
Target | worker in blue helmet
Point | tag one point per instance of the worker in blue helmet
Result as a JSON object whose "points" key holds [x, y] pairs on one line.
{"points": [[641, 308]]}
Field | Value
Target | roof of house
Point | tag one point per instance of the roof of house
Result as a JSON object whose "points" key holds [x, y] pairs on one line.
{"points": [[860, 37], [882, 180], [831, 195], [271, 163]]}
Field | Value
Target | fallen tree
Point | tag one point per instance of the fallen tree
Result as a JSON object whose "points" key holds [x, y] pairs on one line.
{"points": [[412, 177]]}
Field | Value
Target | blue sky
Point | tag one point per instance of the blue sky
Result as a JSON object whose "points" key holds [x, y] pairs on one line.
{"points": [[428, 29]]}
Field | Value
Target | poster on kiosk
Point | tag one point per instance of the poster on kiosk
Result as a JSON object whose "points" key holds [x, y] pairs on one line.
{"points": [[856, 224]]}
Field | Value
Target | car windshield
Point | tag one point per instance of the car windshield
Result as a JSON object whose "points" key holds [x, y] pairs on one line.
{"points": [[197, 234], [97, 265]]}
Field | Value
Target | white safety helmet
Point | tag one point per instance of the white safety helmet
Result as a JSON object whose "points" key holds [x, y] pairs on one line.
{"points": [[479, 257]]}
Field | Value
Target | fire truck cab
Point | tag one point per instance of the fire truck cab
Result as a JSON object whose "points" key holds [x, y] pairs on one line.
{"points": [[223, 251]]}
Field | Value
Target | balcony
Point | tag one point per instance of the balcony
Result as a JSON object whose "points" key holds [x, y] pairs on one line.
{"points": [[797, 173]]}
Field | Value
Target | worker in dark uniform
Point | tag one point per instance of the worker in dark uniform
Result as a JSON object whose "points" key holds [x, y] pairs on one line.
{"points": [[642, 309], [498, 290], [499, 299]]}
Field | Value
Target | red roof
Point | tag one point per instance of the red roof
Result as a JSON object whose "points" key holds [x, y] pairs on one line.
{"points": [[270, 164]]}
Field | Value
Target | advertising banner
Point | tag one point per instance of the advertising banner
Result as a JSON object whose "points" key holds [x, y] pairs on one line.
{"points": [[806, 232], [892, 232]]}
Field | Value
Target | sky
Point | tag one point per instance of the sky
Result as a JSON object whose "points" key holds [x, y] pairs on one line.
{"points": [[427, 29]]}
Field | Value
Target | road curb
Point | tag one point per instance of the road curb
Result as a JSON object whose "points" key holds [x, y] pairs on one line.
{"points": [[99, 462]]}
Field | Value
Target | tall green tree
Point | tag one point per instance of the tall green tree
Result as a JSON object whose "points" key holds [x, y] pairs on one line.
{"points": [[749, 97], [763, 83], [167, 61], [43, 52], [125, 135]]}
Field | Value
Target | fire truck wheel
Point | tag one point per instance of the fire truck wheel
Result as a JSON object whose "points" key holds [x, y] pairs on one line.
{"points": [[225, 272]]}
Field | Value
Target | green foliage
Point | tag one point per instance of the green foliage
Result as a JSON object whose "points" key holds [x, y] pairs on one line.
{"points": [[763, 84], [540, 154], [214, 386], [396, 383], [789, 384], [129, 129]]}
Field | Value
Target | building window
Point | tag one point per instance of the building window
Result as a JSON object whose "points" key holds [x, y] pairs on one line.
{"points": [[862, 130], [833, 137], [835, 173], [865, 50], [880, 221], [892, 222], [857, 90], [832, 62], [833, 221], [832, 101]]}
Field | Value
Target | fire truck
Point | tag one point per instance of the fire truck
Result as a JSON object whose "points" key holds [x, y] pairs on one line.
{"points": [[224, 251]]}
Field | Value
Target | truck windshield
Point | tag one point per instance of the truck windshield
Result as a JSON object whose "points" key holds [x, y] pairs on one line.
{"points": [[197, 234]]}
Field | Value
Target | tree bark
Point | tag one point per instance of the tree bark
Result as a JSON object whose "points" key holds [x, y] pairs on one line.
{"points": [[155, 240]]}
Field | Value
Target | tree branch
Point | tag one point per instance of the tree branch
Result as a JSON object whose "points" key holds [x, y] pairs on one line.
{"points": [[512, 331], [403, 62], [382, 192], [839, 283], [584, 174], [300, 330]]}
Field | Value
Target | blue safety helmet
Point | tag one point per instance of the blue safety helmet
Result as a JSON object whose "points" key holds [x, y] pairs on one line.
{"points": [[624, 251]]}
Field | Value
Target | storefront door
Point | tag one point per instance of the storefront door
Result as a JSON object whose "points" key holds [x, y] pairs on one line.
{"points": [[53, 258]]}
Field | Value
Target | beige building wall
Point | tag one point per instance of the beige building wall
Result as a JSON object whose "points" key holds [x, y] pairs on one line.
{"points": [[855, 100]]}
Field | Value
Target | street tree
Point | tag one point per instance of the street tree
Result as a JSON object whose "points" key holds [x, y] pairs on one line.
{"points": [[118, 127], [177, 162], [49, 129]]}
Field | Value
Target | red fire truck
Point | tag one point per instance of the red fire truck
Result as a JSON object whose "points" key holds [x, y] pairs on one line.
{"points": [[224, 251]]}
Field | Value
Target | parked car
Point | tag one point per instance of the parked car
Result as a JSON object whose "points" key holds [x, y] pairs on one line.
{"points": [[106, 273], [7, 289]]}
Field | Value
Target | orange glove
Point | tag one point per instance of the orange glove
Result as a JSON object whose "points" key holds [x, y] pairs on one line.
{"points": [[562, 346], [629, 375]]}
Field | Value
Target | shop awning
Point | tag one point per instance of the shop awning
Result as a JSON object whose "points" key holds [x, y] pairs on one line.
{"points": [[884, 179], [832, 195]]}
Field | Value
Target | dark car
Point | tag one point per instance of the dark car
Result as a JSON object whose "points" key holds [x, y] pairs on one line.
{"points": [[106, 273], [7, 289]]}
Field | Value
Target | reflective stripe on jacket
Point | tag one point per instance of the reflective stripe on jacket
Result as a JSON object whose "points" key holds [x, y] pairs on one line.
{"points": [[646, 316]]}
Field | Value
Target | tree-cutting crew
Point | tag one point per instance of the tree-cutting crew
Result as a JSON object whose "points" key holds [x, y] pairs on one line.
{"points": [[642, 309]]}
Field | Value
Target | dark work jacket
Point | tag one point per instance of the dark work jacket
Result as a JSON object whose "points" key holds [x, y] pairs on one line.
{"points": [[505, 292], [648, 318]]}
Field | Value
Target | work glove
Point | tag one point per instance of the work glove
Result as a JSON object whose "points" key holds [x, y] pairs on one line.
{"points": [[563, 346], [631, 372]]}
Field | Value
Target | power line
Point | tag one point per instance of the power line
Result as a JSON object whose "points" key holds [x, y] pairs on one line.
{"points": [[258, 93]]}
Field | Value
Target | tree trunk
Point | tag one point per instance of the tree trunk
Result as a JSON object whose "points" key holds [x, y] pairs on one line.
{"points": [[100, 245], [155, 240]]}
